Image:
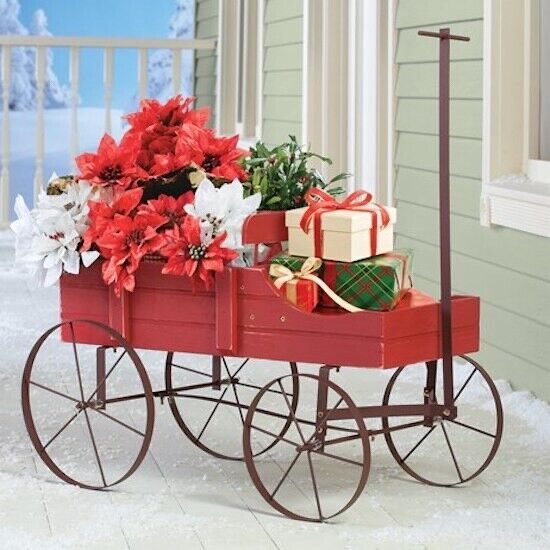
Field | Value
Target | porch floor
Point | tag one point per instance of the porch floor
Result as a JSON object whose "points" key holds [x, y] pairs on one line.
{"points": [[183, 498]]}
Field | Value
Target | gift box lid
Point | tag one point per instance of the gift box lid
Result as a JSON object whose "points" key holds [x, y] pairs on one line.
{"points": [[348, 221]]}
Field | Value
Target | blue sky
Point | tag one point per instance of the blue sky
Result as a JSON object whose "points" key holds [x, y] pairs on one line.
{"points": [[120, 18]]}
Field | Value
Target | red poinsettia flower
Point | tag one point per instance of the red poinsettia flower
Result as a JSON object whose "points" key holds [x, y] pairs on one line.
{"points": [[188, 255], [172, 114], [169, 207], [112, 165], [218, 156], [128, 240], [102, 213]]}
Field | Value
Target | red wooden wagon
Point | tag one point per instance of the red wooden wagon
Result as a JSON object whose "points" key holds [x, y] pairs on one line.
{"points": [[245, 319]]}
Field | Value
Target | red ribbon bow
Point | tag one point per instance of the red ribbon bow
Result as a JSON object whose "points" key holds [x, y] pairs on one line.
{"points": [[320, 201]]}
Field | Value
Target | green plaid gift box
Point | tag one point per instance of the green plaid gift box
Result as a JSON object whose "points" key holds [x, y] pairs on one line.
{"points": [[376, 283], [294, 263]]}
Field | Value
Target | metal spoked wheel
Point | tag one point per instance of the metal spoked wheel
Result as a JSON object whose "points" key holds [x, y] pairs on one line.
{"points": [[307, 477], [444, 452], [212, 417], [76, 415]]}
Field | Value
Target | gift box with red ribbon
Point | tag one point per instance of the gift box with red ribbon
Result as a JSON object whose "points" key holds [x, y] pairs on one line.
{"points": [[353, 229]]}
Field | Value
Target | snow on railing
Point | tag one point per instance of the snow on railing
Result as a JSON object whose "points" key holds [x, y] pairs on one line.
{"points": [[75, 44]]}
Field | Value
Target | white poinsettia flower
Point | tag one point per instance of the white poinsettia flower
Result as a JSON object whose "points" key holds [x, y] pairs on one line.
{"points": [[48, 236], [26, 229], [223, 209], [73, 200], [57, 250]]}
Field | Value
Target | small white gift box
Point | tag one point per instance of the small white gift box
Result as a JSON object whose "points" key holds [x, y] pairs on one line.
{"points": [[344, 235]]}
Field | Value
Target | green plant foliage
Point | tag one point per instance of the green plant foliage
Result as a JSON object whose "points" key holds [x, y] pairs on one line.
{"points": [[283, 177]]}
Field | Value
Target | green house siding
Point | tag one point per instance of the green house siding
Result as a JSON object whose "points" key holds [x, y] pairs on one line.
{"points": [[282, 78], [206, 26], [509, 269]]}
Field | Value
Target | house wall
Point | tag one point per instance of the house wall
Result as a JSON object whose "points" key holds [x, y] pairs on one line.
{"points": [[206, 26], [282, 83], [509, 269]]}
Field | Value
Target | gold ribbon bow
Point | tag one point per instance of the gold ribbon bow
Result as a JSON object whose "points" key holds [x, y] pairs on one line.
{"points": [[283, 275]]}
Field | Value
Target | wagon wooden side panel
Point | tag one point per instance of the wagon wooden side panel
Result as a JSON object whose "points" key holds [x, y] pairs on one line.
{"points": [[246, 316]]}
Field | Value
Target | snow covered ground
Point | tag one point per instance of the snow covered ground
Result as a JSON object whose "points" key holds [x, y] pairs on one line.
{"points": [[183, 498], [57, 150]]}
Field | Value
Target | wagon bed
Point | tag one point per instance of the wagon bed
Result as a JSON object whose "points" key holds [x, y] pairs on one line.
{"points": [[246, 316]]}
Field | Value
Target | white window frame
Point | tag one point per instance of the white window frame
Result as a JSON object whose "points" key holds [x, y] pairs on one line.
{"points": [[227, 82], [515, 186], [345, 89]]}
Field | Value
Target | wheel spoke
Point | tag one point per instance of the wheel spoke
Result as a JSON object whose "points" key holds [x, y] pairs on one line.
{"points": [[315, 489], [464, 385], [422, 439], [337, 457], [189, 369], [79, 375], [479, 430], [127, 426], [293, 416], [53, 391], [212, 413], [241, 367], [285, 475], [269, 390], [452, 452], [77, 363], [234, 390], [277, 437], [104, 379], [61, 430], [96, 452]]}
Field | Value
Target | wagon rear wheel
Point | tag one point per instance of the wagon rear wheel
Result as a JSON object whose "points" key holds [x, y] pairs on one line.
{"points": [[79, 425], [307, 477], [445, 452], [212, 416]]}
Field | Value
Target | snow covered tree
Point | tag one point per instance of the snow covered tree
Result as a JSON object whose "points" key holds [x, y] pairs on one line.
{"points": [[55, 95], [160, 84], [23, 62], [22, 59]]}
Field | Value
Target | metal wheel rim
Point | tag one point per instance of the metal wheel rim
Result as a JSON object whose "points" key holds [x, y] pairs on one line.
{"points": [[494, 448], [27, 409], [189, 433], [255, 477]]}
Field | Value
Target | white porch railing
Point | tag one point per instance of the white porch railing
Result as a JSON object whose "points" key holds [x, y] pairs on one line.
{"points": [[74, 45]]}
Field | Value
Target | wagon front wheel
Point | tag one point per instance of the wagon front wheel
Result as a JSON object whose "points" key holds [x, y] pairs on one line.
{"points": [[75, 404], [321, 465], [439, 451]]}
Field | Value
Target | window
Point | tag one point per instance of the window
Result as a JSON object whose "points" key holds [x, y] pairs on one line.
{"points": [[544, 80], [239, 66], [537, 78], [516, 131]]}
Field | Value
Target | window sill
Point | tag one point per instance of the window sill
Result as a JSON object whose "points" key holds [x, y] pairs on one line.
{"points": [[517, 202]]}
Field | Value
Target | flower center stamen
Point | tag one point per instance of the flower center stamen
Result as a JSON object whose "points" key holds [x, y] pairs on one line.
{"points": [[135, 236], [111, 173], [210, 162], [197, 252]]}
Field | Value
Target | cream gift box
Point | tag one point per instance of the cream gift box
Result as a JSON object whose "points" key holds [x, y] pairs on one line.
{"points": [[346, 235]]}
